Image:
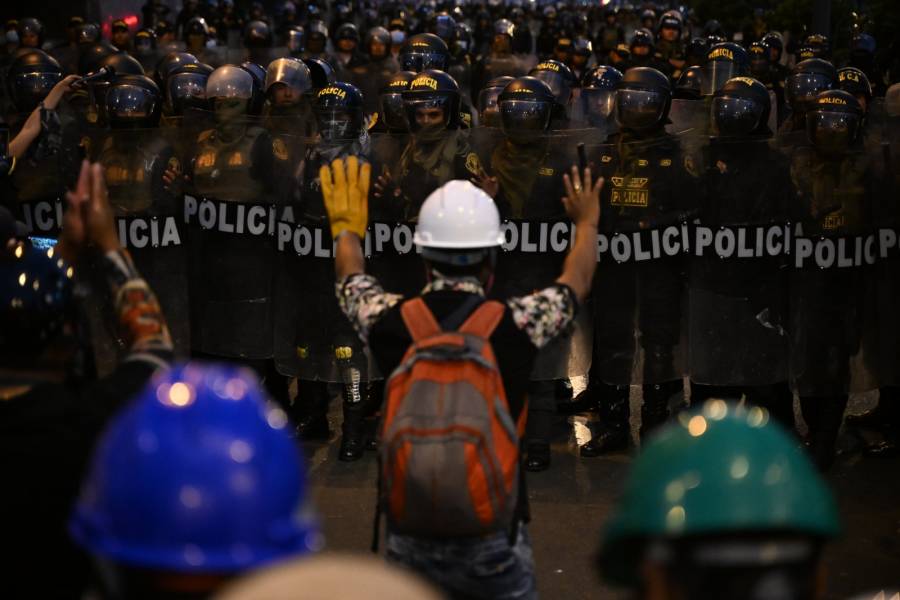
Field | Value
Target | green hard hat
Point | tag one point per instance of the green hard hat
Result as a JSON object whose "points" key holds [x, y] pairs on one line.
{"points": [[719, 469]]}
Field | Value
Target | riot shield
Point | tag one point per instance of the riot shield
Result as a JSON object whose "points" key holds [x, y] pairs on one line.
{"points": [[313, 340], [689, 117], [650, 196], [834, 268], [737, 277], [229, 209]]}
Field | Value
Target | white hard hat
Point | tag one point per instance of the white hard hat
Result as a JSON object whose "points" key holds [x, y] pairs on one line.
{"points": [[458, 216]]}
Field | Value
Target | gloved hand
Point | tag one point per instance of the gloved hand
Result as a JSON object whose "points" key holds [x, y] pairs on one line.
{"points": [[345, 188]]}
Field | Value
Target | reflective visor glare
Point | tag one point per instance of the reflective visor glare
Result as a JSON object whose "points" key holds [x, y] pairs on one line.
{"points": [[392, 110], [37, 83], [735, 116], [530, 116], [187, 85], [487, 99], [803, 86], [598, 103], [715, 74], [831, 124], [129, 101], [639, 109], [557, 84]]}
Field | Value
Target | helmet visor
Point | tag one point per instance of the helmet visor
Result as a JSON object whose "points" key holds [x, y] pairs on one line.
{"points": [[421, 61], [430, 112], [524, 118], [832, 132], [336, 125], [640, 109], [130, 103], [187, 90], [598, 104], [803, 87], [558, 85], [393, 112], [735, 116], [487, 99], [295, 42], [290, 72], [238, 85], [30, 88], [716, 74]]}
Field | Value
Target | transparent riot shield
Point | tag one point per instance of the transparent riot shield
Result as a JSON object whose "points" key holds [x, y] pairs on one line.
{"points": [[231, 198], [650, 196], [689, 117], [737, 272], [834, 268]]}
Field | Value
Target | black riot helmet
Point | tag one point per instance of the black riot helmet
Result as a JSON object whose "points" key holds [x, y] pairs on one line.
{"points": [[144, 42], [169, 63], [671, 19], [558, 76], [834, 121], [296, 41], [380, 35], [504, 27], [642, 37], [122, 64], [855, 82], [424, 51], [90, 56], [643, 99], [432, 89], [347, 31], [32, 28], [291, 73], [444, 26], [775, 44], [690, 84], [30, 78], [598, 94], [526, 107], [257, 34], [321, 72], [488, 98], [186, 88], [815, 46], [87, 33], [741, 108], [316, 37], [259, 81], [196, 27], [390, 101], [862, 51], [696, 51], [133, 101], [759, 59], [807, 79], [724, 61], [339, 112]]}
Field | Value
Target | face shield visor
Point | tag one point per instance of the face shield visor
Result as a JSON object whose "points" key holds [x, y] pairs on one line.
{"points": [[716, 74], [428, 115], [832, 132], [419, 61], [558, 85], [29, 89], [640, 110], [524, 120], [802, 88], [735, 116], [393, 112], [187, 90], [130, 105], [598, 105], [337, 124]]}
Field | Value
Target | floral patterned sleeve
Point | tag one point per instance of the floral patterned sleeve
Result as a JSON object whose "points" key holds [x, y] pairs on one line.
{"points": [[364, 301], [544, 314], [139, 318]]}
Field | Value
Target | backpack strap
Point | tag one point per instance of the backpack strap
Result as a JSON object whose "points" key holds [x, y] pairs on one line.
{"points": [[419, 320], [484, 320]]}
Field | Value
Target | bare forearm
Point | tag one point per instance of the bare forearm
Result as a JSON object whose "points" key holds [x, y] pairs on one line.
{"points": [[29, 132], [580, 264], [348, 258]]}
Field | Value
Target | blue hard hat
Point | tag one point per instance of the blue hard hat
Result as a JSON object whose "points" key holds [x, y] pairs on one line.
{"points": [[197, 474]]}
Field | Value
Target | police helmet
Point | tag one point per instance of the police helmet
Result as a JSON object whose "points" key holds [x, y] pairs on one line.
{"points": [[321, 72], [778, 508], [558, 76], [689, 85], [643, 99], [35, 300], [390, 100], [230, 82], [144, 42], [133, 101], [526, 107], [257, 34], [339, 112], [88, 33], [670, 20], [347, 31], [444, 26], [862, 44], [724, 61], [741, 108], [196, 26], [30, 26], [696, 51], [424, 51], [31, 76], [259, 81], [186, 88], [197, 475], [122, 64], [291, 72], [316, 36], [816, 46], [380, 35], [642, 37], [90, 57], [854, 81], [488, 109], [296, 40], [807, 79], [773, 40], [598, 93], [169, 63], [834, 121], [504, 27], [432, 88]]}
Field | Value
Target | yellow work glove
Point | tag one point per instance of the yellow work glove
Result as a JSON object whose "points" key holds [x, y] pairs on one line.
{"points": [[345, 188]]}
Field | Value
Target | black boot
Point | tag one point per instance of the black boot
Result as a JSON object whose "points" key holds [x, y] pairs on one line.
{"points": [[352, 434], [823, 416], [587, 400], [655, 408], [537, 457], [613, 432], [541, 416], [310, 411]]}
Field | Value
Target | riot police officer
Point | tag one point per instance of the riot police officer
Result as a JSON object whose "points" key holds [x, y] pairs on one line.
{"points": [[815, 46], [834, 196], [643, 53], [669, 44], [258, 42], [186, 89], [488, 111], [500, 61], [609, 35], [723, 62], [391, 129], [317, 41], [855, 82], [145, 49], [562, 83], [746, 185], [653, 186], [862, 56], [424, 51], [527, 169], [379, 66], [598, 97], [295, 40], [807, 79], [770, 75]]}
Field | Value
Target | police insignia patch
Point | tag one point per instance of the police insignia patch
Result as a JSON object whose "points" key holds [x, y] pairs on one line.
{"points": [[279, 149], [473, 164], [174, 165]]}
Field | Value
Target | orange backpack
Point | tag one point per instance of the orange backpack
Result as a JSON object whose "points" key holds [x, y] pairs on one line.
{"points": [[449, 454]]}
